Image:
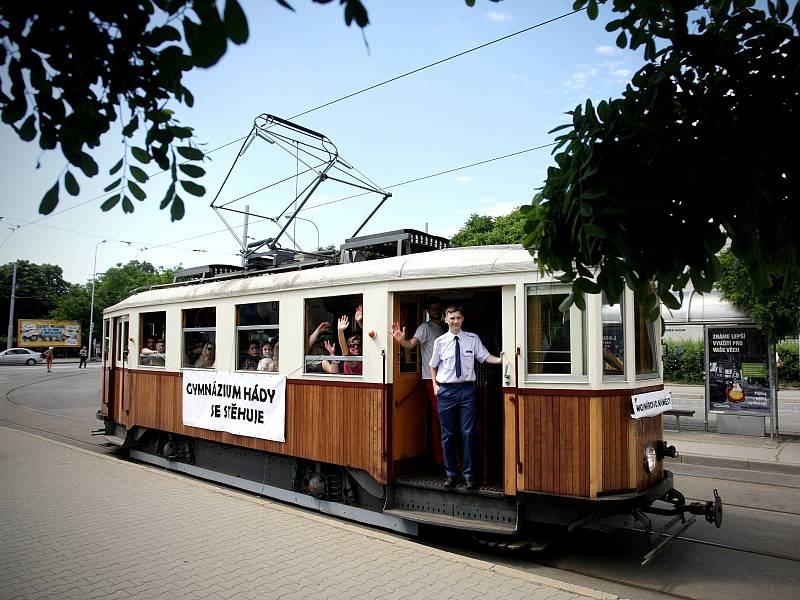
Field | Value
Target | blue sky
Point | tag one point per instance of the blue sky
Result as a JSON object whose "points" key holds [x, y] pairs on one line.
{"points": [[495, 101]]}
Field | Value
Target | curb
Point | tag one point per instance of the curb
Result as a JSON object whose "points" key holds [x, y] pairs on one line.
{"points": [[736, 463]]}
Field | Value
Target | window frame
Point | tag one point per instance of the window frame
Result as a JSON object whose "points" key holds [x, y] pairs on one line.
{"points": [[204, 329], [622, 307], [333, 320], [578, 341], [257, 327], [654, 343]]}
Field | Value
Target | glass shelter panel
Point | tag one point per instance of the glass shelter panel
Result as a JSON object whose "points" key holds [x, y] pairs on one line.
{"points": [[199, 338], [613, 339], [257, 336], [334, 332], [556, 341]]}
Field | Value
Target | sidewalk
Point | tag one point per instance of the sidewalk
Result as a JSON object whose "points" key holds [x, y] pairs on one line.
{"points": [[77, 524], [705, 448]]}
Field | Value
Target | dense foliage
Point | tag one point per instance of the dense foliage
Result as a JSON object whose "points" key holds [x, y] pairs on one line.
{"points": [[776, 309], [647, 187], [112, 286], [38, 289], [72, 69], [482, 230], [42, 293]]}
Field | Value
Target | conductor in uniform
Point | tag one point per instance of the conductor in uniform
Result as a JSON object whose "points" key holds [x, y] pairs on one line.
{"points": [[453, 372]]}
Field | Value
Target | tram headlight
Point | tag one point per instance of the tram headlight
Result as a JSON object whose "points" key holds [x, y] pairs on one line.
{"points": [[650, 457]]}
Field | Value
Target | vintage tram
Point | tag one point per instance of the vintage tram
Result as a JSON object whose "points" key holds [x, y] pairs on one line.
{"points": [[558, 441]]}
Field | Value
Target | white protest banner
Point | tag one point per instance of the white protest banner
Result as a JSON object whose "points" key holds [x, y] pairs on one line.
{"points": [[251, 404], [651, 404]]}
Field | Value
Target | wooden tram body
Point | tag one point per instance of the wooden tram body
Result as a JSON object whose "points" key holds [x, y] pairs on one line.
{"points": [[558, 447]]}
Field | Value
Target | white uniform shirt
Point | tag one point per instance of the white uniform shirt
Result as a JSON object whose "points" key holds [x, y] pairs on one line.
{"points": [[427, 334], [443, 358]]}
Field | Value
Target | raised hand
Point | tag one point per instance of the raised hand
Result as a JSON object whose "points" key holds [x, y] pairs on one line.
{"points": [[330, 347], [398, 333], [359, 316], [343, 322]]}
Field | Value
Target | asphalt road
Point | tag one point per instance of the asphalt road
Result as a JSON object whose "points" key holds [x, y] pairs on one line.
{"points": [[756, 553]]}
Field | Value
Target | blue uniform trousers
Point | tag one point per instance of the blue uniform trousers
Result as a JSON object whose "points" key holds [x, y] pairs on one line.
{"points": [[457, 407]]}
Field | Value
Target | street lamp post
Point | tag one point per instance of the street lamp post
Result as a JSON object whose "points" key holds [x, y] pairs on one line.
{"points": [[91, 308], [310, 221]]}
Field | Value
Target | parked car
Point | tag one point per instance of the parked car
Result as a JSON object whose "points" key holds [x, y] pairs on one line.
{"points": [[20, 356]]}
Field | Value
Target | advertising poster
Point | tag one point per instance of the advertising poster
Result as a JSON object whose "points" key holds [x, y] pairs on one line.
{"points": [[738, 370], [45, 332]]}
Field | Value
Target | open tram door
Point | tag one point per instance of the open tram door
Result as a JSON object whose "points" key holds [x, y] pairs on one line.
{"points": [[412, 439], [114, 354]]}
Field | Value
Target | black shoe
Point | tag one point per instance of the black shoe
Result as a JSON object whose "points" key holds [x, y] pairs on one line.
{"points": [[472, 485], [451, 482]]}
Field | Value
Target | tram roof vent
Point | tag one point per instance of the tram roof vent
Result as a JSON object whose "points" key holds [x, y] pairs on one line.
{"points": [[204, 272], [390, 243]]}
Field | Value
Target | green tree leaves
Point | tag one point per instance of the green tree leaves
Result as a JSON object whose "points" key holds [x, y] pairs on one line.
{"points": [[647, 188], [482, 230]]}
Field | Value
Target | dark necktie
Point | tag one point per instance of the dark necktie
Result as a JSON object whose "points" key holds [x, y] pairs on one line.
{"points": [[458, 358]]}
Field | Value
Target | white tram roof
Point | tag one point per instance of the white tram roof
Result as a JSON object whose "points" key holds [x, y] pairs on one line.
{"points": [[437, 264]]}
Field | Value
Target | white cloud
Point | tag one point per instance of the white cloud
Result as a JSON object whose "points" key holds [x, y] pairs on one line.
{"points": [[500, 209], [498, 17], [607, 50], [463, 178], [449, 232]]}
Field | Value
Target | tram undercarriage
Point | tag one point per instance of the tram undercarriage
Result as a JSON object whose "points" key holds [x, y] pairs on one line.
{"points": [[415, 500]]}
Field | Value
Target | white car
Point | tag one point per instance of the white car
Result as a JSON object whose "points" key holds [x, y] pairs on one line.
{"points": [[20, 356]]}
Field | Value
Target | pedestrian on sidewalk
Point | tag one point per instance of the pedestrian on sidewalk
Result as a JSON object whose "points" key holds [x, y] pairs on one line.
{"points": [[84, 354], [48, 357]]}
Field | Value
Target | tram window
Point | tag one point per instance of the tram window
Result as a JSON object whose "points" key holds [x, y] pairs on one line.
{"points": [[324, 352], [152, 326], [556, 341], [106, 338], [122, 341], [613, 339], [199, 338], [257, 336], [646, 341]]}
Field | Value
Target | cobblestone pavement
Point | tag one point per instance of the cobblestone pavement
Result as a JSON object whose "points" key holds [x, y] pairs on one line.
{"points": [[76, 524]]}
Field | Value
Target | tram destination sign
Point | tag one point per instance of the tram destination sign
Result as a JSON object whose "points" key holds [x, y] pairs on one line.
{"points": [[651, 404], [251, 404]]}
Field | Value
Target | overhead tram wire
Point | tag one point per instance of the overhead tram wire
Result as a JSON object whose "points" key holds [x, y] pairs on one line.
{"points": [[332, 102]]}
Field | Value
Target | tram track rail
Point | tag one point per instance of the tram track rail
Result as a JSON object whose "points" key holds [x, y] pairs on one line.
{"points": [[34, 428], [516, 560]]}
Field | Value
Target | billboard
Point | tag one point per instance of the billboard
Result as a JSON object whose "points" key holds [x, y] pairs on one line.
{"points": [[47, 332], [738, 370]]}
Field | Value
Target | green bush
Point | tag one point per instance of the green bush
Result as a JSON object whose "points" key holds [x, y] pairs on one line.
{"points": [[684, 361], [789, 374]]}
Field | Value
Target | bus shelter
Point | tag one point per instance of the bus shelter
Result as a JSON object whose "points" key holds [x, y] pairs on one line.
{"points": [[739, 363]]}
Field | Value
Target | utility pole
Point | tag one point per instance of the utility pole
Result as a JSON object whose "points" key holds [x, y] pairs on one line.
{"points": [[91, 309], [11, 307]]}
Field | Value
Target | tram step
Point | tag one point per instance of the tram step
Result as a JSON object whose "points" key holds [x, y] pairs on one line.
{"points": [[114, 439], [443, 520]]}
